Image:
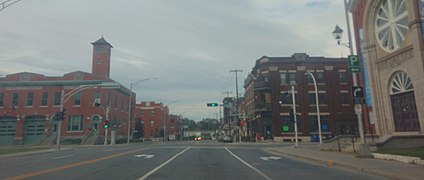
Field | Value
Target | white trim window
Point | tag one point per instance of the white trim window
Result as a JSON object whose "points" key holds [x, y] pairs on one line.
{"points": [[75, 123]]}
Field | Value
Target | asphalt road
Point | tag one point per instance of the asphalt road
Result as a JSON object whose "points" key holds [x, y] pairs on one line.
{"points": [[172, 160]]}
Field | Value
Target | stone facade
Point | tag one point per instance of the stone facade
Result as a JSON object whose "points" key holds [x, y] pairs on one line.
{"points": [[394, 56]]}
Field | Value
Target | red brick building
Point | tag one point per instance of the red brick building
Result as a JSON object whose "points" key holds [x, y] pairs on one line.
{"points": [[175, 129], [152, 116], [29, 101], [267, 99]]}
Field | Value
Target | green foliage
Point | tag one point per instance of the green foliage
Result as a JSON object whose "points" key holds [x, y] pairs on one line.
{"points": [[413, 152]]}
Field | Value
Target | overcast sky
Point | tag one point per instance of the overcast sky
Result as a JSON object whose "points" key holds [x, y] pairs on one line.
{"points": [[189, 45]]}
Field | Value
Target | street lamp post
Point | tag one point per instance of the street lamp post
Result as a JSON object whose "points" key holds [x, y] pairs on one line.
{"points": [[65, 97], [364, 149], [317, 104], [133, 85], [294, 114]]}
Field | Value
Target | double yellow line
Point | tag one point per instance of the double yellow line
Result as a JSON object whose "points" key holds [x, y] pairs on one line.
{"points": [[60, 168]]}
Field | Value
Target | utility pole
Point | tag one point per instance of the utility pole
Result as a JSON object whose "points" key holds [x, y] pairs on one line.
{"points": [[237, 102], [364, 149]]}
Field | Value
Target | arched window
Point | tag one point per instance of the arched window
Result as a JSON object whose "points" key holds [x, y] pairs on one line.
{"points": [[400, 83], [391, 24]]}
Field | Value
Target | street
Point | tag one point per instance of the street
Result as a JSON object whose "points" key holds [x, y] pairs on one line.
{"points": [[171, 160]]}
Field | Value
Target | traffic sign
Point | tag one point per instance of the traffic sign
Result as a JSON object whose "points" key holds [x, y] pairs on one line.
{"points": [[357, 91], [285, 128], [353, 63]]}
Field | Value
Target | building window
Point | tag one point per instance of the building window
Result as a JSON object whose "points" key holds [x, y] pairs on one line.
{"points": [[44, 98], [288, 124], [142, 112], [321, 97], [97, 99], [1, 99], [122, 104], [320, 78], [342, 78], [283, 78], [313, 123], [30, 98], [292, 77], [152, 112], [152, 123], [75, 123], [57, 98], [99, 49], [108, 99], [266, 79], [344, 98], [77, 99], [15, 100], [392, 24]]}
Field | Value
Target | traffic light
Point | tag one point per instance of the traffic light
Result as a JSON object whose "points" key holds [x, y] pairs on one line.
{"points": [[106, 124], [291, 115], [60, 115], [212, 104]]}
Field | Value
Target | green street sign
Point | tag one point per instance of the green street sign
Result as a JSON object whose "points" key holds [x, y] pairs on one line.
{"points": [[285, 128], [353, 64]]}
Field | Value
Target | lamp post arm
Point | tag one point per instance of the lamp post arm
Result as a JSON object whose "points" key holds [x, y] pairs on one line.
{"points": [[68, 95], [317, 105]]}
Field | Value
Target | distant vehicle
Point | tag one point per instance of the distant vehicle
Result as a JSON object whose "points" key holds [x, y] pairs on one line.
{"points": [[227, 138], [198, 138], [171, 137]]}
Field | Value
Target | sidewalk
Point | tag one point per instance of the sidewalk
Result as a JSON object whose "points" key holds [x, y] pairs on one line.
{"points": [[391, 169]]}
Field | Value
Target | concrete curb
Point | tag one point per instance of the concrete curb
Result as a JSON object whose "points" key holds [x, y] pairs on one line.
{"points": [[343, 165], [399, 158]]}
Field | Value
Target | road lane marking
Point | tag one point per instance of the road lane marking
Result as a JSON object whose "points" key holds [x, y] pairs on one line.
{"points": [[146, 156], [61, 157], [248, 165], [270, 157], [60, 168], [163, 164]]}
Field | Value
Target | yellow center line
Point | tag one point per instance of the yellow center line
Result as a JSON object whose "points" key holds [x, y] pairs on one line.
{"points": [[60, 168]]}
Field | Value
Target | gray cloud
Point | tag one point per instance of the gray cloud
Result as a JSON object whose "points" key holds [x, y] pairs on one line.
{"points": [[189, 45]]}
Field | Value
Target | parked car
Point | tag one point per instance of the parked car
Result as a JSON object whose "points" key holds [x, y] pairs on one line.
{"points": [[198, 138], [227, 138]]}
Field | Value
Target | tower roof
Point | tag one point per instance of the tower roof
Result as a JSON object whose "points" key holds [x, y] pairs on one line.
{"points": [[101, 41]]}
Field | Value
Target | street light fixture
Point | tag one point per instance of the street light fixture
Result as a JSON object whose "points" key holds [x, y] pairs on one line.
{"points": [[133, 85], [364, 149], [317, 104]]}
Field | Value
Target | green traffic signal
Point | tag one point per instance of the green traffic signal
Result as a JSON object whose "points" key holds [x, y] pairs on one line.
{"points": [[106, 124], [212, 104]]}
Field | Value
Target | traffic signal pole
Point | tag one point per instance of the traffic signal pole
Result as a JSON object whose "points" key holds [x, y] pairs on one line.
{"points": [[294, 116], [59, 125], [107, 124]]}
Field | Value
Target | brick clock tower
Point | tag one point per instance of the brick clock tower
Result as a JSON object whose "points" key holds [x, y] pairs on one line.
{"points": [[101, 58]]}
